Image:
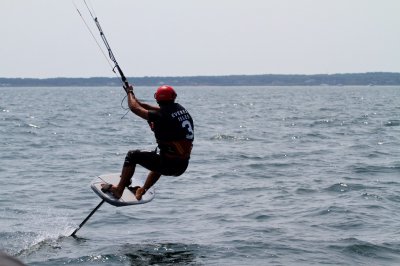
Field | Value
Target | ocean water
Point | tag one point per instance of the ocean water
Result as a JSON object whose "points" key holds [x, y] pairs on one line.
{"points": [[278, 176]]}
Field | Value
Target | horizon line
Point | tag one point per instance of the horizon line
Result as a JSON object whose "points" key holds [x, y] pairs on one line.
{"points": [[222, 75]]}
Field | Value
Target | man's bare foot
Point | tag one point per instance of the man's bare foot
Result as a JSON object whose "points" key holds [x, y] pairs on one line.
{"points": [[139, 193], [114, 190]]}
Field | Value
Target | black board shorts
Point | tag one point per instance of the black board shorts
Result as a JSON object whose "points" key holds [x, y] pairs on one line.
{"points": [[153, 161]]}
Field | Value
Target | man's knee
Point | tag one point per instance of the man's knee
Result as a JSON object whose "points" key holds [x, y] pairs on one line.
{"points": [[131, 158]]}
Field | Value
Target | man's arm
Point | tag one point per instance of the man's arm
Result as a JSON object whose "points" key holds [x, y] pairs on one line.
{"points": [[138, 108], [148, 106]]}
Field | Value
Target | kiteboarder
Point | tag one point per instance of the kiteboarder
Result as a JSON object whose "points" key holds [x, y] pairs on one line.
{"points": [[174, 132]]}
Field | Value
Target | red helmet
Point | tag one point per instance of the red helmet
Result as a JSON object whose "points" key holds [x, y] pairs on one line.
{"points": [[165, 93]]}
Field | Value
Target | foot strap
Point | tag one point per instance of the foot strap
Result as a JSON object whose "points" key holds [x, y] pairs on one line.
{"points": [[133, 189]]}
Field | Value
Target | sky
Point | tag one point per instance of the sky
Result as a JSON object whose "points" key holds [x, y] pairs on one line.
{"points": [[48, 38]]}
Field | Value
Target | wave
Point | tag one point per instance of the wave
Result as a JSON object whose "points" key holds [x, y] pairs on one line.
{"points": [[140, 254], [345, 187], [366, 168], [392, 123], [382, 252], [226, 137]]}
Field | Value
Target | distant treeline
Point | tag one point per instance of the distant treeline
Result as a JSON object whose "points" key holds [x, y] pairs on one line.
{"points": [[351, 79]]}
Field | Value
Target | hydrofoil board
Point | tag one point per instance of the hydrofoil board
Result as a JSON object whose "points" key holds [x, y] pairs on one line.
{"points": [[128, 197]]}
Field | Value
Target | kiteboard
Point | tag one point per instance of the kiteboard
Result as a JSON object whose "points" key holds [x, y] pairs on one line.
{"points": [[128, 197]]}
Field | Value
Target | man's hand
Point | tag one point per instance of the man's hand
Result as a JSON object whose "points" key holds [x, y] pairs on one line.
{"points": [[128, 89]]}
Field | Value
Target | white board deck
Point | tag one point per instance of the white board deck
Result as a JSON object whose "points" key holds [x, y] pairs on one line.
{"points": [[128, 198]]}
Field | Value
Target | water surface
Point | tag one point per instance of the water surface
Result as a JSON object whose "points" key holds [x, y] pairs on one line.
{"points": [[278, 176]]}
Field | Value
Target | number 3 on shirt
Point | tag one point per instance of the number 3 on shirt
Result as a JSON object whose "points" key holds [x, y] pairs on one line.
{"points": [[186, 124]]}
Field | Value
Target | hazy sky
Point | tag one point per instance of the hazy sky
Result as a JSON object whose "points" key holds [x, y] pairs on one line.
{"points": [[47, 38]]}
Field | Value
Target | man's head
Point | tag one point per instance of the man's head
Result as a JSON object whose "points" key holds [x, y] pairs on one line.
{"points": [[165, 94]]}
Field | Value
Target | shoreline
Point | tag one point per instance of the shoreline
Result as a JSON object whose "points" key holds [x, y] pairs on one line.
{"points": [[350, 79]]}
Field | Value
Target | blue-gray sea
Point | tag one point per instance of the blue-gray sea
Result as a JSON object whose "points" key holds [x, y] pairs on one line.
{"points": [[278, 176]]}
